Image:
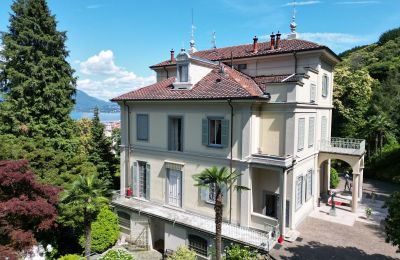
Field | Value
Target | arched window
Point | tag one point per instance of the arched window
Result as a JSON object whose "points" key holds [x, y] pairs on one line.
{"points": [[198, 244]]}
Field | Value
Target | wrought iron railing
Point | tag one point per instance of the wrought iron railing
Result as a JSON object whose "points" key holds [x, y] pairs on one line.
{"points": [[343, 145]]}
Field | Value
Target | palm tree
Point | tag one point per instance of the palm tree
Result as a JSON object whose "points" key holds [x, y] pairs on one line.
{"points": [[88, 193], [218, 180]]}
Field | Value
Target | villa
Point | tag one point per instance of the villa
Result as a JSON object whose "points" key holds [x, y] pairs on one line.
{"points": [[262, 109]]}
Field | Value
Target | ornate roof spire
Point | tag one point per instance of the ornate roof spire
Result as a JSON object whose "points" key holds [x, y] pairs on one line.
{"points": [[214, 41], [192, 42], [293, 25]]}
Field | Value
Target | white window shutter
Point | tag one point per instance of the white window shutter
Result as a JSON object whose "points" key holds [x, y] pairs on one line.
{"points": [[324, 130], [313, 90], [135, 178], [311, 131], [148, 181], [300, 139], [204, 191]]}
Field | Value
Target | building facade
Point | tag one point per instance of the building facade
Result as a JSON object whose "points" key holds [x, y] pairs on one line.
{"points": [[262, 109]]}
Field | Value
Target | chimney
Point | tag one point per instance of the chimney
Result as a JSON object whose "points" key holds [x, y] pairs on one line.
{"points": [[278, 40], [255, 44], [272, 43], [172, 55]]}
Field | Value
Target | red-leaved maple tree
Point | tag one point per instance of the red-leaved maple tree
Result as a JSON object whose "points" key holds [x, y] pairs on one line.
{"points": [[27, 208]]}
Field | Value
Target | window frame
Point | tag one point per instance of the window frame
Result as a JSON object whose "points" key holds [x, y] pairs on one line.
{"points": [[201, 250], [299, 180], [300, 138], [147, 126], [209, 131], [171, 117], [183, 70], [325, 85], [211, 191], [313, 93], [309, 188], [311, 132]]}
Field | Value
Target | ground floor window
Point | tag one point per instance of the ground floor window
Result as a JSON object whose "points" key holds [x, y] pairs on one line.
{"points": [[299, 192], [198, 244], [309, 177], [124, 219]]}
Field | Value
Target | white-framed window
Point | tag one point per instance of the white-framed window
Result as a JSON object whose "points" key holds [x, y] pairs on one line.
{"points": [[311, 131], [215, 132], [324, 128], [183, 72], [300, 132], [142, 127], [299, 192], [175, 133], [309, 182], [313, 92], [325, 85]]}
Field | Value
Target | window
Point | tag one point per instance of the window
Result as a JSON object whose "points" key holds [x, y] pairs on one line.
{"points": [[309, 181], [242, 67], [271, 205], [313, 90], [324, 132], [175, 134], [311, 131], [300, 140], [141, 179], [215, 132], [299, 192], [198, 244], [183, 71], [142, 127], [325, 85], [211, 193], [124, 219]]}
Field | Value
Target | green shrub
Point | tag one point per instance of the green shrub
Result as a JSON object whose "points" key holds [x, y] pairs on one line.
{"points": [[236, 252], [105, 231], [334, 178], [183, 253], [72, 257], [117, 254]]}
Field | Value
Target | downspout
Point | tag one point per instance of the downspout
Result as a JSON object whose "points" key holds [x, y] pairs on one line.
{"points": [[127, 147], [166, 71], [231, 161], [295, 62]]}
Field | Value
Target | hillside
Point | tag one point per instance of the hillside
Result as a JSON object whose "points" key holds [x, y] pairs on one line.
{"points": [[86, 103]]}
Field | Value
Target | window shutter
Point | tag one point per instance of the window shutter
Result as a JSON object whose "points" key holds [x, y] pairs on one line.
{"points": [[324, 128], [148, 179], [311, 130], [135, 179], [224, 192], [300, 141], [204, 193], [204, 132], [224, 132], [313, 89]]}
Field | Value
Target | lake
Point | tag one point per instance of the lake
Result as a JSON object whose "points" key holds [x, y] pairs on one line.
{"points": [[104, 117]]}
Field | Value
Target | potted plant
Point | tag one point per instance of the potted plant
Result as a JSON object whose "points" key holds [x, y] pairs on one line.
{"points": [[368, 212]]}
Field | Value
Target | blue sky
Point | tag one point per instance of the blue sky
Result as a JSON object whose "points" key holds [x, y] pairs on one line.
{"points": [[112, 42]]}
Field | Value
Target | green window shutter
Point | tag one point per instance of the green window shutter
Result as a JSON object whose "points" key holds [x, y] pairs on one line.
{"points": [[224, 132], [134, 173], [204, 132], [148, 181], [204, 193]]}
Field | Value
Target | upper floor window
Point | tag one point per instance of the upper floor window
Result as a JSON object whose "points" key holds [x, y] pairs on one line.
{"points": [[183, 73], [242, 67], [198, 244], [175, 134], [215, 132], [142, 127], [324, 128], [325, 85], [311, 131], [300, 132], [313, 90]]}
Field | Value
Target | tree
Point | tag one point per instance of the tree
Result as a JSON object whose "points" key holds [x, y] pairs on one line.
{"points": [[27, 208], [183, 253], [392, 220], [218, 179], [38, 79], [100, 149], [88, 194], [105, 231]]}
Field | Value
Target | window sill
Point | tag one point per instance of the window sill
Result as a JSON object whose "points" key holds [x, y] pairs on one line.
{"points": [[215, 146]]}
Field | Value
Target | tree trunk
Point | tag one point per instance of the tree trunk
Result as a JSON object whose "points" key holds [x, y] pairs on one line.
{"points": [[376, 144], [88, 235], [381, 143], [218, 224]]}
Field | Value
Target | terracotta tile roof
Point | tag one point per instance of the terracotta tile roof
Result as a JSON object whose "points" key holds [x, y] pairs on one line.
{"points": [[263, 81], [242, 51], [215, 85]]}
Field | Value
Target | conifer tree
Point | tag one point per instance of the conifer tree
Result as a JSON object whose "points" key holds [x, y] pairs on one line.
{"points": [[34, 71]]}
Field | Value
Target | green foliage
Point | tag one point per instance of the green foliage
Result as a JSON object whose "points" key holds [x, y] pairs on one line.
{"points": [[183, 253], [392, 220], [334, 181], [72, 257], [236, 252], [385, 165], [39, 81], [105, 231], [117, 254], [368, 212], [389, 35]]}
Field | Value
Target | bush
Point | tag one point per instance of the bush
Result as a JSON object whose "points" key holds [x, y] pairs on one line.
{"points": [[385, 166], [72, 257], [236, 252], [183, 253], [117, 254], [105, 231], [334, 178]]}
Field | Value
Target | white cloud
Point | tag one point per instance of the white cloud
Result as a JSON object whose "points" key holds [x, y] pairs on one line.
{"points": [[302, 3], [357, 2], [105, 80], [336, 41]]}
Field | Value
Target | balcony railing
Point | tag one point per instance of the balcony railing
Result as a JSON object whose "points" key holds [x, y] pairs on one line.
{"points": [[347, 146]]}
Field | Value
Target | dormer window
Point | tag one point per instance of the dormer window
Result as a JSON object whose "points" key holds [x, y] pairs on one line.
{"points": [[183, 73]]}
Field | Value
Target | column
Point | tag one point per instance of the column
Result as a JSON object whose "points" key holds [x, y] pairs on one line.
{"points": [[354, 202], [282, 194], [245, 198], [328, 175]]}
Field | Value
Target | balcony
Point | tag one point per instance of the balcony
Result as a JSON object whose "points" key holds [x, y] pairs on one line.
{"points": [[261, 239], [267, 159], [346, 146]]}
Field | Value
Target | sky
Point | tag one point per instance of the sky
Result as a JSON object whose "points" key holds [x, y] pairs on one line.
{"points": [[112, 43]]}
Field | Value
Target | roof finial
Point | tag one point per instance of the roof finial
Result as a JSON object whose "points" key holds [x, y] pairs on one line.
{"points": [[293, 25], [214, 41], [192, 42]]}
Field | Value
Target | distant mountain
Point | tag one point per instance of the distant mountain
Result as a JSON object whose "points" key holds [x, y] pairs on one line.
{"points": [[86, 103]]}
